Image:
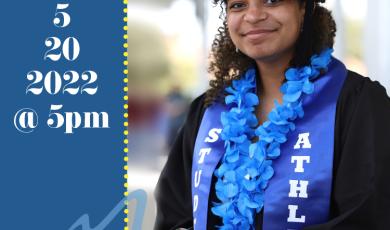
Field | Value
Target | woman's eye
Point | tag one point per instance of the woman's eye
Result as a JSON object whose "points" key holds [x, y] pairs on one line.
{"points": [[271, 2], [236, 5]]}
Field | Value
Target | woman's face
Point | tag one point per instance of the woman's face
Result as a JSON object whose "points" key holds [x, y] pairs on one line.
{"points": [[265, 30]]}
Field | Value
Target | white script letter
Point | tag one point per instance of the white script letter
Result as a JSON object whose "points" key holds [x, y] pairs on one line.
{"points": [[195, 202], [202, 154], [197, 178], [213, 135]]}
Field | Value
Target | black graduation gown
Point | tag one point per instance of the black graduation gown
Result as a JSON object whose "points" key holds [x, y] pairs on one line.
{"points": [[360, 197]]}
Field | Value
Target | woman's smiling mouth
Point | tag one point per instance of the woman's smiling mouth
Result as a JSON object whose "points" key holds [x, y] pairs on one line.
{"points": [[258, 33]]}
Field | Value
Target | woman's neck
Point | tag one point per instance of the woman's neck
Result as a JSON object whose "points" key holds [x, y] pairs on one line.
{"points": [[271, 75]]}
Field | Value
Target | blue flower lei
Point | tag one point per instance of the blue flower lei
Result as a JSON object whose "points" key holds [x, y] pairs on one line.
{"points": [[246, 167]]}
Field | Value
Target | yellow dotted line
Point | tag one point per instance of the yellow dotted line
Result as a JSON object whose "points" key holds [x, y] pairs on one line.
{"points": [[125, 114]]}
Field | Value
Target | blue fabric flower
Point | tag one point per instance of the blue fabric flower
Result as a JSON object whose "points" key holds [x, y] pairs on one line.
{"points": [[273, 150], [321, 61]]}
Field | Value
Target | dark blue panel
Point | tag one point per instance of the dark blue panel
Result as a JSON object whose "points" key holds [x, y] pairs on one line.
{"points": [[48, 178]]}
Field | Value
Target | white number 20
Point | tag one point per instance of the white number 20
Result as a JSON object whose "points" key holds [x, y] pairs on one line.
{"points": [[54, 43]]}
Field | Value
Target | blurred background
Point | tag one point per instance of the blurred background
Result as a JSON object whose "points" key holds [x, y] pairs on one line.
{"points": [[169, 43]]}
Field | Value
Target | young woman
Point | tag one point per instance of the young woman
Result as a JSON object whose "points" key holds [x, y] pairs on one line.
{"points": [[286, 137]]}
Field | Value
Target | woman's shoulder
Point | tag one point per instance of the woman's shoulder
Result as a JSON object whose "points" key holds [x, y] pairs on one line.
{"points": [[198, 102], [197, 108], [358, 89], [356, 85], [194, 117], [362, 101]]}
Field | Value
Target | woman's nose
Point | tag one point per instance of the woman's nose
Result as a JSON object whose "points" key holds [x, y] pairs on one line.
{"points": [[255, 13]]}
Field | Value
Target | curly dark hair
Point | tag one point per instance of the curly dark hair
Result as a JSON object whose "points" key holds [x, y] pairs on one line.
{"points": [[226, 64]]}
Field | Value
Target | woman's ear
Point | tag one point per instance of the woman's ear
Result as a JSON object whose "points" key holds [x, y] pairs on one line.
{"points": [[302, 10]]}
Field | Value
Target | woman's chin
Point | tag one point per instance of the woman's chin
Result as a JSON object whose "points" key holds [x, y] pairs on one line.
{"points": [[267, 54], [262, 56]]}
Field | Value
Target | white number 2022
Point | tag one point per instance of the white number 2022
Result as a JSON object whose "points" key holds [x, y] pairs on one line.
{"points": [[69, 82]]}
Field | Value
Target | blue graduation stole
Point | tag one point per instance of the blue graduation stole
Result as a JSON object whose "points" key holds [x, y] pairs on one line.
{"points": [[298, 195]]}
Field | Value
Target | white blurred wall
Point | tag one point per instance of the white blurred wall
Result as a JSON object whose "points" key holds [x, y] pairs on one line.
{"points": [[377, 41]]}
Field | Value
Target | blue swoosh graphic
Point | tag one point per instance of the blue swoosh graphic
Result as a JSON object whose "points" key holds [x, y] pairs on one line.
{"points": [[139, 195]]}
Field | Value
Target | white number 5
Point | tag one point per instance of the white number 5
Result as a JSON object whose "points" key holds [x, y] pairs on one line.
{"points": [[61, 15]]}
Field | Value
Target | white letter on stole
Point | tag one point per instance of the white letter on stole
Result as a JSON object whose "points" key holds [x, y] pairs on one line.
{"points": [[299, 159], [202, 154], [196, 202], [303, 138], [292, 217], [302, 188], [213, 135], [197, 178]]}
